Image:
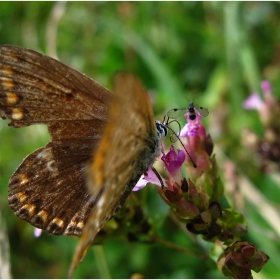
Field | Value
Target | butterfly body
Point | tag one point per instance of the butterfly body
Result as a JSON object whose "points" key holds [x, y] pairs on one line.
{"points": [[101, 143]]}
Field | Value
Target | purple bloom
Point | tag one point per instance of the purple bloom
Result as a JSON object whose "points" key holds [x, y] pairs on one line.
{"points": [[268, 108], [268, 97], [266, 87], [254, 101], [190, 130], [149, 177], [173, 162], [37, 232]]}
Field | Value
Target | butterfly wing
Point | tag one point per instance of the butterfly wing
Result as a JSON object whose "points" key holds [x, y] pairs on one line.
{"points": [[128, 147], [48, 189], [38, 89]]}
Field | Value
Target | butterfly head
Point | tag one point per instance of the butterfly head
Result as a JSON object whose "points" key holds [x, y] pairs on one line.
{"points": [[161, 129]]}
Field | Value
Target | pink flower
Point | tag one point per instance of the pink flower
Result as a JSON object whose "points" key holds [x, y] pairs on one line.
{"points": [[148, 177], [191, 129], [266, 87], [268, 108], [37, 232], [254, 101], [173, 162]]}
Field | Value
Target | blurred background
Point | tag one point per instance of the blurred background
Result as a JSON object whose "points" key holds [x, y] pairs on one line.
{"points": [[213, 53]]}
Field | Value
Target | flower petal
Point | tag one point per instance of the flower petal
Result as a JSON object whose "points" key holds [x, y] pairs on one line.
{"points": [[266, 87], [37, 232], [254, 101], [149, 177]]}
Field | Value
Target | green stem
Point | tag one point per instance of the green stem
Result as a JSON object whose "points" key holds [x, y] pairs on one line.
{"points": [[101, 262]]}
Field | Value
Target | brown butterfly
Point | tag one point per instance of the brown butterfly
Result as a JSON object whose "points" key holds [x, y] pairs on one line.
{"points": [[101, 143]]}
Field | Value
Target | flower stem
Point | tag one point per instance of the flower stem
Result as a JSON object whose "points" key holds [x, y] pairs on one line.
{"points": [[100, 259]]}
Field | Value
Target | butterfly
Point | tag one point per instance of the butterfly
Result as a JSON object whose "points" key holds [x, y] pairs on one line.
{"points": [[191, 111], [101, 143]]}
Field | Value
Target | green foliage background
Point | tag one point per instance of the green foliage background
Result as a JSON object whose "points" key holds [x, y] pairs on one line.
{"points": [[216, 53]]}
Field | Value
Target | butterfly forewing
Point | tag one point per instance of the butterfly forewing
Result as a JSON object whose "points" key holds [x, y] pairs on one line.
{"points": [[128, 147], [38, 89], [48, 189]]}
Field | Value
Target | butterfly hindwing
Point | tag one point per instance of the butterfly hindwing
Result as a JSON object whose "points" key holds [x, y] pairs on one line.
{"points": [[50, 192]]}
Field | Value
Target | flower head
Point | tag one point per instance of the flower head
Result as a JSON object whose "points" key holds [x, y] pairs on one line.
{"points": [[267, 147], [173, 162], [195, 200], [254, 101], [268, 108], [240, 258]]}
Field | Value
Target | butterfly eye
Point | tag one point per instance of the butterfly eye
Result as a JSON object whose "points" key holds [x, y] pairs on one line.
{"points": [[161, 130]]}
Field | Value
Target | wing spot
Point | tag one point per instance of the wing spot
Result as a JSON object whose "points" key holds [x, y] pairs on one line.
{"points": [[12, 98], [72, 224], [74, 228], [51, 166], [30, 208], [43, 215], [21, 196], [46, 154], [71, 227], [80, 225], [58, 222], [7, 83], [17, 114], [7, 70], [23, 179]]}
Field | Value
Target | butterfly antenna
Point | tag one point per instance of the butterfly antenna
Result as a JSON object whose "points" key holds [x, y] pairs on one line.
{"points": [[166, 123], [171, 138], [159, 177]]}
